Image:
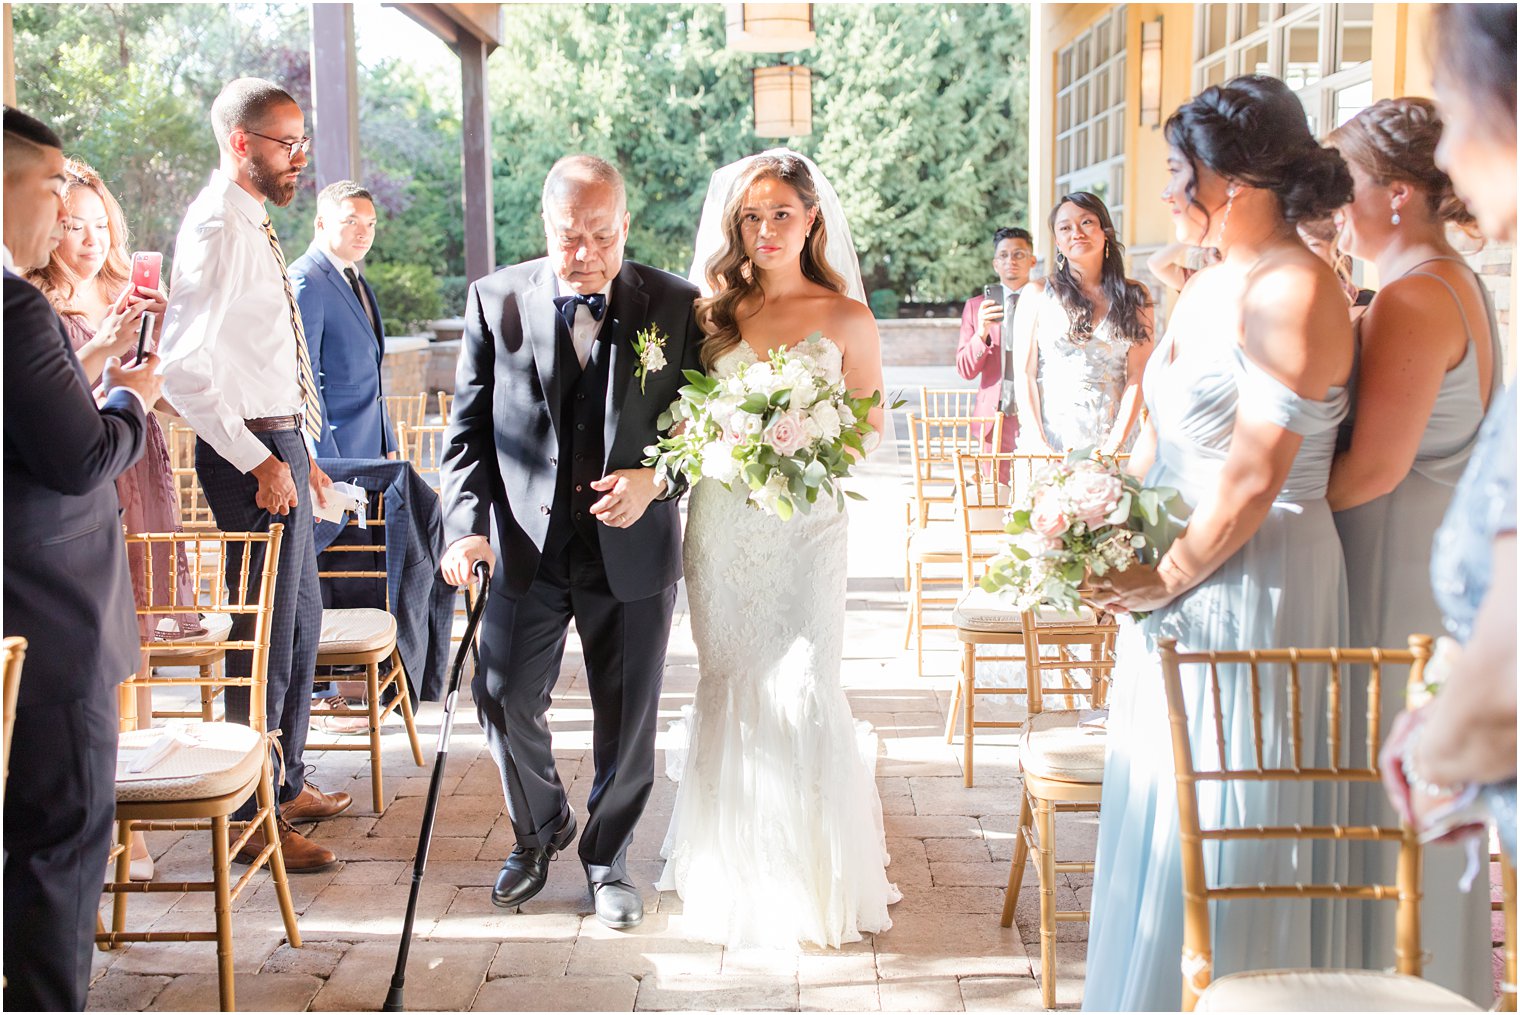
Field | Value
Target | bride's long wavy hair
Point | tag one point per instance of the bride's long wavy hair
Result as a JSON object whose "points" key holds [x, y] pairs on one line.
{"points": [[730, 272]]}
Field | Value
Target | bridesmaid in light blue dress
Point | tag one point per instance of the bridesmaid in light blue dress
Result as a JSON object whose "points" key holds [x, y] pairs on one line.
{"points": [[1245, 393], [1417, 407]]}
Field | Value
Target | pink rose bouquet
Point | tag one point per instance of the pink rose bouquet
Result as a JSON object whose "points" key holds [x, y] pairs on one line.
{"points": [[1082, 516], [784, 426]]}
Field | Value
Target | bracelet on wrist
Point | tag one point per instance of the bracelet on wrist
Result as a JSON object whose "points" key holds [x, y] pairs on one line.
{"points": [[1417, 782]]}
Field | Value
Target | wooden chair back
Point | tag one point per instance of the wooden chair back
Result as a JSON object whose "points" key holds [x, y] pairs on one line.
{"points": [[12, 655], [1275, 691], [937, 402], [445, 404], [408, 409], [933, 443], [360, 550], [231, 591], [194, 512], [422, 445], [987, 484]]}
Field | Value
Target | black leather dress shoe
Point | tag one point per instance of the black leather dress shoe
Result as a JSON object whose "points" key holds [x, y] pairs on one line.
{"points": [[527, 869], [618, 904]]}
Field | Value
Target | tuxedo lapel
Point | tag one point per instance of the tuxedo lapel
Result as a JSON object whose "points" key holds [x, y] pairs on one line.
{"points": [[629, 304], [539, 328]]}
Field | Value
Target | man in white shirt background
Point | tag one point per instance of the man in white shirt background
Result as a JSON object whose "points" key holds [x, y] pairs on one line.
{"points": [[236, 367]]}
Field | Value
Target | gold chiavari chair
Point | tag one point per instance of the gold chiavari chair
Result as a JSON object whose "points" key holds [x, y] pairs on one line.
{"points": [[365, 636], [204, 770], [12, 655], [195, 516], [194, 512], [935, 538], [422, 445], [408, 409], [1280, 689], [936, 403], [445, 404], [986, 486]]}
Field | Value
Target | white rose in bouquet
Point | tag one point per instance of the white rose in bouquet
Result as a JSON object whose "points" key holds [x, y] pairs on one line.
{"points": [[827, 418], [718, 462]]}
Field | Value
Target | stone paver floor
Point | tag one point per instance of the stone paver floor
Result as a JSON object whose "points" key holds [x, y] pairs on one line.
{"points": [[950, 849]]}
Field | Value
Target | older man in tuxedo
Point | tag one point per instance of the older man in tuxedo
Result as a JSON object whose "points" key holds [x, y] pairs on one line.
{"points": [[67, 591], [553, 409]]}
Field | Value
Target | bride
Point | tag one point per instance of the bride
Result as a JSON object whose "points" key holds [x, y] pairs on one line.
{"points": [[777, 837]]}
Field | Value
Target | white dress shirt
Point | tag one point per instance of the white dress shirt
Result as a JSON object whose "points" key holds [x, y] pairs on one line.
{"points": [[228, 346], [583, 335]]}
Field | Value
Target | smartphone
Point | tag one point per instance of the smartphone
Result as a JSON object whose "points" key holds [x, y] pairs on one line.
{"points": [[146, 267], [993, 293], [144, 329]]}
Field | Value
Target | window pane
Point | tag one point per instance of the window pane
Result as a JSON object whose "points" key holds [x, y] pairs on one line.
{"points": [[1256, 59], [1118, 130], [1063, 156], [1213, 74], [1063, 114], [1100, 140], [1084, 55], [1352, 100], [1310, 103], [1301, 48], [1356, 35], [1120, 28], [1100, 41], [1066, 67], [1100, 89], [1079, 152], [1252, 17], [1214, 27], [1083, 109], [1116, 175]]}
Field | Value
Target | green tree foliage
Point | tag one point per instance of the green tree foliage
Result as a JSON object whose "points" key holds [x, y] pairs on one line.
{"points": [[919, 120]]}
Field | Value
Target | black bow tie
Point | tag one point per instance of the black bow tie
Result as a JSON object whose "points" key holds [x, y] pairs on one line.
{"points": [[566, 305]]}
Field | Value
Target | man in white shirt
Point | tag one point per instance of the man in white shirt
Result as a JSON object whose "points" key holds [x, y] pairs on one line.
{"points": [[235, 365]]}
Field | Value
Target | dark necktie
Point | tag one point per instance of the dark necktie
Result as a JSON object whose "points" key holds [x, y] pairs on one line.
{"points": [[353, 281], [566, 305]]}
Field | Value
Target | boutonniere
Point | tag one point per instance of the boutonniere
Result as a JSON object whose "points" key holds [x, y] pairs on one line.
{"points": [[649, 344]]}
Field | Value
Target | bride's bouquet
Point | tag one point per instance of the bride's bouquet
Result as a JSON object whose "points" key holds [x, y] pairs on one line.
{"points": [[783, 426], [1079, 516]]}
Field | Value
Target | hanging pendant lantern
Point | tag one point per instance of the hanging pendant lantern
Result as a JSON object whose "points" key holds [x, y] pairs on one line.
{"points": [[770, 28], [783, 101]]}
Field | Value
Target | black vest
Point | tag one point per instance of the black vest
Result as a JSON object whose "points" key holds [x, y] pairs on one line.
{"points": [[583, 409]]}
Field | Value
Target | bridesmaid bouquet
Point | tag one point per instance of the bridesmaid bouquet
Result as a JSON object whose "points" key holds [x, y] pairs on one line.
{"points": [[783, 426], [1083, 515]]}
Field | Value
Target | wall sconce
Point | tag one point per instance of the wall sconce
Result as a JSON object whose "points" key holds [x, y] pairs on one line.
{"points": [[1150, 73], [783, 101], [770, 28]]}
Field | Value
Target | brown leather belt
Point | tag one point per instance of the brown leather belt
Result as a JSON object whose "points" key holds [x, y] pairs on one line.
{"points": [[270, 424]]}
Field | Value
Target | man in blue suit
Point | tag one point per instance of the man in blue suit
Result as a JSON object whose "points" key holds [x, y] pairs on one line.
{"points": [[344, 330]]}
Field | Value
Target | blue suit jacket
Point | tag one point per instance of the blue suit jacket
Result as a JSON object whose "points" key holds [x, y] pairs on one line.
{"points": [[345, 358]]}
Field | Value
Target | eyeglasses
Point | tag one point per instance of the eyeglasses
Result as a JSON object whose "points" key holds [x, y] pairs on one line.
{"points": [[1017, 257], [301, 147]]}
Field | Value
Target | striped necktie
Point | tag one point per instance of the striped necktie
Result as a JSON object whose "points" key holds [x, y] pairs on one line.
{"points": [[311, 414]]}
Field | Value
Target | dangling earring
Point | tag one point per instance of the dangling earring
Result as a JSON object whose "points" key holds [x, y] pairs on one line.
{"points": [[1227, 206], [1060, 259], [1395, 216]]}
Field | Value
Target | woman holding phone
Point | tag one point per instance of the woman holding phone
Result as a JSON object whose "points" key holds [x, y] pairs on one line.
{"points": [[88, 281]]}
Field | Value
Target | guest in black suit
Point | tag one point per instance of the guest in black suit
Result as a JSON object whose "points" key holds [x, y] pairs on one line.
{"points": [[344, 329], [66, 590], [545, 451]]}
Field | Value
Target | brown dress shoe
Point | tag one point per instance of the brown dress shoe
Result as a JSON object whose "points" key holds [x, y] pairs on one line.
{"points": [[302, 856], [324, 720], [314, 805]]}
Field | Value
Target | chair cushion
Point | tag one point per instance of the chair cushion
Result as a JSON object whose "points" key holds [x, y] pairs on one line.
{"points": [[218, 627], [942, 539], [208, 759], [986, 611], [1328, 990], [361, 630], [1056, 746]]}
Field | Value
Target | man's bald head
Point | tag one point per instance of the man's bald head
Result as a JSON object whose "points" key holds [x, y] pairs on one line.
{"points": [[575, 173]]}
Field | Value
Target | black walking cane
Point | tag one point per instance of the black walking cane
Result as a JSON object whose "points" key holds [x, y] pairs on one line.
{"points": [[395, 998]]}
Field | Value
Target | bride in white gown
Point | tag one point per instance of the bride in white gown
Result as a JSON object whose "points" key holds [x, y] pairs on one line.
{"points": [[777, 835]]}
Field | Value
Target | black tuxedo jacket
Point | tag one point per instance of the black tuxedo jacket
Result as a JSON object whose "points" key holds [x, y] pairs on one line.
{"points": [[67, 587], [500, 460]]}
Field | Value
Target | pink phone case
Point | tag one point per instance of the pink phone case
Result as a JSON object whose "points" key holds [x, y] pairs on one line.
{"points": [[146, 268]]}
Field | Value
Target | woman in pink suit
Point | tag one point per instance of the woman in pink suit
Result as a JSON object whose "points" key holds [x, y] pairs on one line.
{"points": [[979, 356]]}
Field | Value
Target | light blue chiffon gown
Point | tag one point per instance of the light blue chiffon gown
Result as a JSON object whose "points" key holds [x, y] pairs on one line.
{"points": [[1286, 586], [1387, 544]]}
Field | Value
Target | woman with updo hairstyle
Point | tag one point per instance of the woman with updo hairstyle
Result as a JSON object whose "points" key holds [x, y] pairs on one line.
{"points": [[1449, 765], [1427, 367], [1245, 392]]}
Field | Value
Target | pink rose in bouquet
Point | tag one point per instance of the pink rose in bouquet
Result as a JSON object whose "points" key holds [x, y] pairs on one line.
{"points": [[786, 434], [1092, 495], [1046, 516]]}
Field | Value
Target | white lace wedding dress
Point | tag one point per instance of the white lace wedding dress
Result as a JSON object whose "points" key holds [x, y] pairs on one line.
{"points": [[776, 838]]}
